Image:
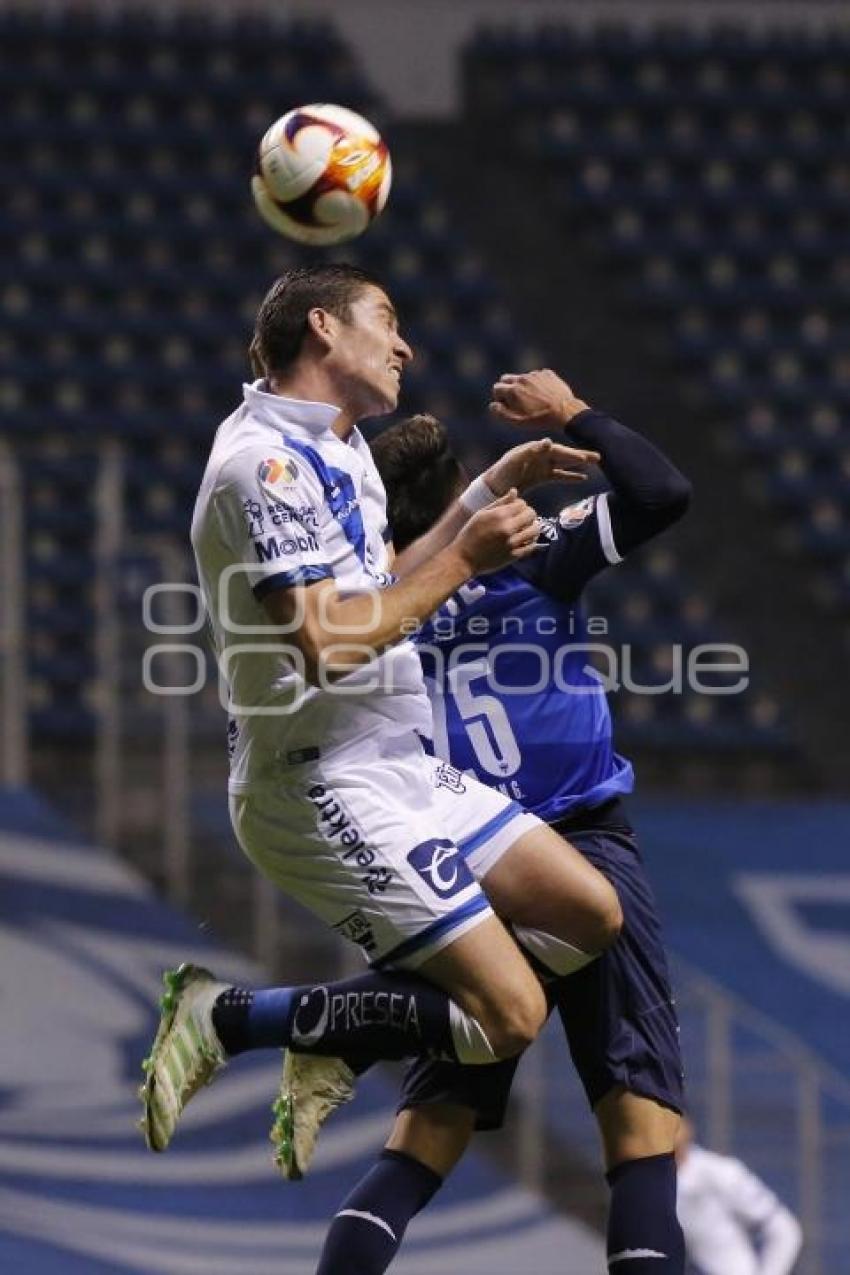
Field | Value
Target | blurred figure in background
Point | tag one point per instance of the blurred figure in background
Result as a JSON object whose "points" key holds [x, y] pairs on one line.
{"points": [[733, 1223]]}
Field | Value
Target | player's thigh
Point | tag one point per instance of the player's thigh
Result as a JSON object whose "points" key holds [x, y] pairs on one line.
{"points": [[436, 1135], [542, 881], [530, 874], [633, 1127], [619, 1014], [484, 971]]}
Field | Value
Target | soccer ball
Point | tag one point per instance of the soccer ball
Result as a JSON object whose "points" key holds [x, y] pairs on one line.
{"points": [[323, 174]]}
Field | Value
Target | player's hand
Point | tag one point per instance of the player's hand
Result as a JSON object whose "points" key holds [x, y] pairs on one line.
{"points": [[503, 532], [539, 462], [540, 400]]}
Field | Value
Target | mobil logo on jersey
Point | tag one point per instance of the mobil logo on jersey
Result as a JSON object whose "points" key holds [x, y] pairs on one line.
{"points": [[276, 547], [441, 866]]}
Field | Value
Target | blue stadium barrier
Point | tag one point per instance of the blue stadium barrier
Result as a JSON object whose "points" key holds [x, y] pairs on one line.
{"points": [[82, 944]]}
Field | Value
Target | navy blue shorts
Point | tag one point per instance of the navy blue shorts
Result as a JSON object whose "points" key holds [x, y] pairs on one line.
{"points": [[618, 1012]]}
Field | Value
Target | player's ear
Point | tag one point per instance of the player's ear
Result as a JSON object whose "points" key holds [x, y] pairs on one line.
{"points": [[322, 326]]}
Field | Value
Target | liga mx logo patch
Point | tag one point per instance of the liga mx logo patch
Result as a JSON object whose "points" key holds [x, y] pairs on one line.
{"points": [[441, 866], [276, 471]]}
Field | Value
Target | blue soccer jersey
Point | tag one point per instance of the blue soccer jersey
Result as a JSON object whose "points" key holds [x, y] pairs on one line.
{"points": [[507, 666]]}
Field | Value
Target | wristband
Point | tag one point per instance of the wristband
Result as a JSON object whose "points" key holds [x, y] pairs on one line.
{"points": [[477, 496]]}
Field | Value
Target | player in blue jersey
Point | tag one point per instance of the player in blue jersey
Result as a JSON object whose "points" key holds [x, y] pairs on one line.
{"points": [[516, 706]]}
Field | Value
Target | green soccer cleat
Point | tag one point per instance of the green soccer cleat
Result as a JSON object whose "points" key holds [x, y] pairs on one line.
{"points": [[311, 1089], [186, 1052]]}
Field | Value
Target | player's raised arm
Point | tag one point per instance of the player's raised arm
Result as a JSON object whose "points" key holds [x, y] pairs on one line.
{"points": [[648, 493], [337, 633], [272, 513]]}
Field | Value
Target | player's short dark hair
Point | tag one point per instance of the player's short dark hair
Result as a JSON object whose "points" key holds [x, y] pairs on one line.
{"points": [[281, 322], [421, 473]]}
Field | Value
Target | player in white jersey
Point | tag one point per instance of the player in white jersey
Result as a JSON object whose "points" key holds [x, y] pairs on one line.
{"points": [[733, 1223], [332, 794]]}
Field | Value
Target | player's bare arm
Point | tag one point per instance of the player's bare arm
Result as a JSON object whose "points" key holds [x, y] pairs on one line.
{"points": [[338, 633], [522, 467]]}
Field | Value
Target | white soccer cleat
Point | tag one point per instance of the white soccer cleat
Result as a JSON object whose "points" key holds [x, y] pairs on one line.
{"points": [[311, 1089], [186, 1053]]}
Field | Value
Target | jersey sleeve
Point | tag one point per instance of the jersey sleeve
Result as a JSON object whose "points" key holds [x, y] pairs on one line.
{"points": [[781, 1239], [745, 1195], [269, 508], [572, 547], [759, 1211]]}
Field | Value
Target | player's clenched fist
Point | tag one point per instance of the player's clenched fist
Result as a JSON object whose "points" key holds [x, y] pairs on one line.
{"points": [[501, 533], [540, 399]]}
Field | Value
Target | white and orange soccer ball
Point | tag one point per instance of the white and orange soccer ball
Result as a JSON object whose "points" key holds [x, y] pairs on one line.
{"points": [[323, 174]]}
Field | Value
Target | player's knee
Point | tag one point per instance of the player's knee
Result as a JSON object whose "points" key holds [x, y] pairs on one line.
{"points": [[512, 1027]]}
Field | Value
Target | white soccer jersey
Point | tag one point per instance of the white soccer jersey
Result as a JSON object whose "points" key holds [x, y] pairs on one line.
{"points": [[733, 1223], [283, 501], [335, 802]]}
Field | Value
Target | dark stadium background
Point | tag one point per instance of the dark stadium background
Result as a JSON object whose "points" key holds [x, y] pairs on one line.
{"points": [[652, 198]]}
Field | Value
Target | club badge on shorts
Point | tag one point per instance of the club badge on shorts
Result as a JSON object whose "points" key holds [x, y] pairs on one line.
{"points": [[441, 866]]}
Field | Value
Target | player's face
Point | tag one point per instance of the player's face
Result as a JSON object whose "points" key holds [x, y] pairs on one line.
{"points": [[369, 354]]}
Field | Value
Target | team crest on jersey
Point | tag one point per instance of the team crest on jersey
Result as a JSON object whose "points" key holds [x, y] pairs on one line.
{"points": [[253, 512], [275, 471], [574, 515]]}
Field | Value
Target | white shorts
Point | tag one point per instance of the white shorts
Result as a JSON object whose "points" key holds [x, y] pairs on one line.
{"points": [[389, 853]]}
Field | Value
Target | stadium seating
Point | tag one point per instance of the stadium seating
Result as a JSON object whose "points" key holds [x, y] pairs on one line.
{"points": [[711, 167], [141, 261]]}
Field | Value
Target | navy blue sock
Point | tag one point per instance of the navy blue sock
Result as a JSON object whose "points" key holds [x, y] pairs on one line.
{"points": [[644, 1235], [374, 1016], [246, 1019], [365, 1235]]}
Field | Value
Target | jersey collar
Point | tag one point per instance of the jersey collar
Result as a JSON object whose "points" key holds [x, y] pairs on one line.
{"points": [[289, 415]]}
